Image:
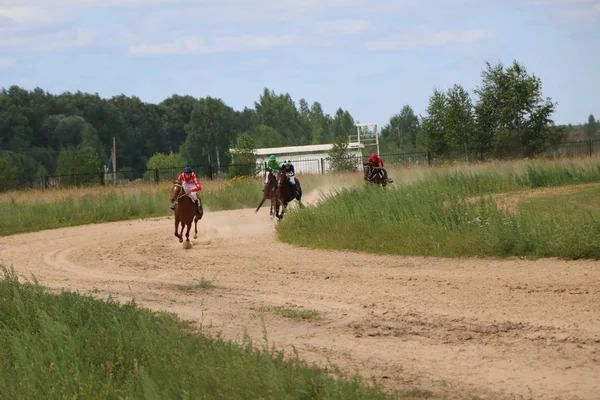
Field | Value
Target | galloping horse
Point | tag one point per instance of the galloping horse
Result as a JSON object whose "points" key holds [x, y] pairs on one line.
{"points": [[285, 193], [185, 212], [268, 192], [380, 178]]}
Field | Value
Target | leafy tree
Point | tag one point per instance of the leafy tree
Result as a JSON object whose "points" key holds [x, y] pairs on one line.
{"points": [[280, 113], [244, 156], [319, 124], [265, 136], [592, 128], [26, 167], [176, 114], [402, 129], [165, 163], [9, 175], [459, 121], [434, 125], [340, 159], [209, 132], [342, 126], [78, 166], [512, 116]]}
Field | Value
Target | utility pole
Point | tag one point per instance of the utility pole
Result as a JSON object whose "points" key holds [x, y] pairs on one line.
{"points": [[114, 160]]}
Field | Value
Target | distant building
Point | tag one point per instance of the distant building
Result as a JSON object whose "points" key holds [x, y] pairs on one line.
{"points": [[309, 159], [314, 158]]}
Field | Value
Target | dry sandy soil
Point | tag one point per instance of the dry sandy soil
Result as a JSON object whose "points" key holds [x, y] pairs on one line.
{"points": [[461, 328]]}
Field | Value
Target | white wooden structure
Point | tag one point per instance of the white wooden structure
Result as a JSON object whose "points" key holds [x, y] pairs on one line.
{"points": [[314, 159], [366, 136], [309, 159]]}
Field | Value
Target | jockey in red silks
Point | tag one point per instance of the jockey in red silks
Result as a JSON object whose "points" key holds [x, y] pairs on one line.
{"points": [[191, 184], [377, 163]]}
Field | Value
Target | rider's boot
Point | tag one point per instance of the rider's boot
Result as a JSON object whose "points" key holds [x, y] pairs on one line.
{"points": [[295, 189], [173, 207], [274, 188], [197, 207]]}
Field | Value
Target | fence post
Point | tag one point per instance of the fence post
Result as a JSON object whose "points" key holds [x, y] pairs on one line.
{"points": [[210, 171], [428, 156], [102, 178], [156, 175], [590, 147], [322, 165]]}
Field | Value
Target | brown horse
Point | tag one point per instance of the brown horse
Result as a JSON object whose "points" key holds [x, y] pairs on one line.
{"points": [[380, 178], [285, 194], [268, 192], [185, 212]]}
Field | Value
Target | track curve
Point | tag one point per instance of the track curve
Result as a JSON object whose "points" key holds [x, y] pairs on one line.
{"points": [[455, 327]]}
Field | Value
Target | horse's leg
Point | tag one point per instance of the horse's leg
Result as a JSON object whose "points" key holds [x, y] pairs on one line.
{"points": [[274, 208], [196, 227], [187, 232], [180, 235], [261, 203], [283, 210]]}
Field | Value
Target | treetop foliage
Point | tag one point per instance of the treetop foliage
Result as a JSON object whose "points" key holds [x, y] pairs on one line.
{"points": [[44, 134]]}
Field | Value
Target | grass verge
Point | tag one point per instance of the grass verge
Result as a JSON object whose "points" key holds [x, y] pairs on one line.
{"points": [[72, 346], [435, 217], [292, 313], [38, 210]]}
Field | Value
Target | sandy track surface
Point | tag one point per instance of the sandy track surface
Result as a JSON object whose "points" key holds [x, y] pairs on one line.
{"points": [[460, 328]]}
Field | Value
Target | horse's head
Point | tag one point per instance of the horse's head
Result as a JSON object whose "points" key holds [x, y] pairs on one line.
{"points": [[281, 178], [367, 169], [270, 177], [176, 191]]}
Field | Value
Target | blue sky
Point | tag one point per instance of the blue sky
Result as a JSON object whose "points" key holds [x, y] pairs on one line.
{"points": [[368, 56]]}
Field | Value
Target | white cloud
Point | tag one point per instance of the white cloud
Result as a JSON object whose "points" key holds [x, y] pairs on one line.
{"points": [[437, 39], [559, 2], [581, 15], [14, 40], [196, 45], [7, 62], [49, 41], [345, 27], [573, 10], [30, 15], [90, 3], [255, 10]]}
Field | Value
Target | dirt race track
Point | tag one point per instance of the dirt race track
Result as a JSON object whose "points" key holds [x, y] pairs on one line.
{"points": [[495, 329]]}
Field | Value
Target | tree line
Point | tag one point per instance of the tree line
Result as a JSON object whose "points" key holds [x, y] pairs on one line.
{"points": [[43, 134]]}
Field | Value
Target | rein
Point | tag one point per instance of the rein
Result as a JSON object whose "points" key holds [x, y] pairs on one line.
{"points": [[181, 195]]}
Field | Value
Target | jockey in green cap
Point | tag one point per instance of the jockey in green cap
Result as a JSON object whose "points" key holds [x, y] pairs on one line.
{"points": [[273, 163]]}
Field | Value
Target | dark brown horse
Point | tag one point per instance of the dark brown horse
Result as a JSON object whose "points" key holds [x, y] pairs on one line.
{"points": [[380, 177], [285, 194], [268, 192], [185, 213]]}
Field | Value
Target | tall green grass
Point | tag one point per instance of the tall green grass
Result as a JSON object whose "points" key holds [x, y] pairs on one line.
{"points": [[44, 210], [438, 217], [234, 194], [72, 346]]}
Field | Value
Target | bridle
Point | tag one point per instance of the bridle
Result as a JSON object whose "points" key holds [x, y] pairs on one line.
{"points": [[181, 195]]}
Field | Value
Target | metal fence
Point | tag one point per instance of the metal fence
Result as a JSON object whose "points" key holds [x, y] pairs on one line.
{"points": [[301, 166]]}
